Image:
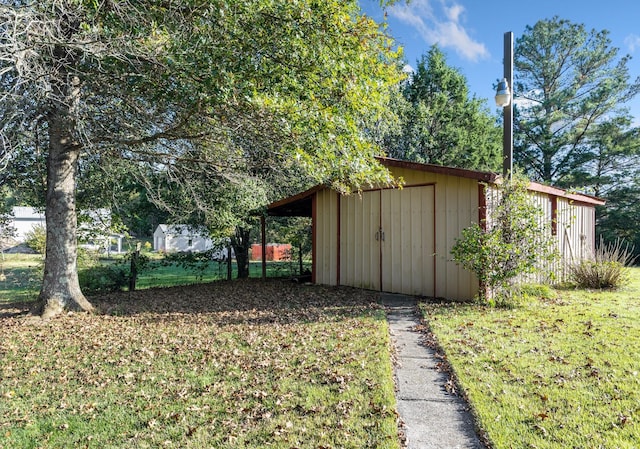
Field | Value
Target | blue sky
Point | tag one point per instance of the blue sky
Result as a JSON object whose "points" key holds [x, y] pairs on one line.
{"points": [[470, 32]]}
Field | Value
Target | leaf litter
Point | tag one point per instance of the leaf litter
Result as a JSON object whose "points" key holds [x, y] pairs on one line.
{"points": [[228, 364]]}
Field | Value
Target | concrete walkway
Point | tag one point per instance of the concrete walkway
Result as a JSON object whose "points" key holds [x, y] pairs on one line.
{"points": [[433, 418]]}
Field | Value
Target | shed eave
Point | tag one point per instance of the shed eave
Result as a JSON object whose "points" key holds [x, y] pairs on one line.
{"points": [[582, 198], [299, 205], [439, 169]]}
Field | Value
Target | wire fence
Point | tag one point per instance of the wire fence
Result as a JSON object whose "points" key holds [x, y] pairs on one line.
{"points": [[163, 274], [20, 279]]}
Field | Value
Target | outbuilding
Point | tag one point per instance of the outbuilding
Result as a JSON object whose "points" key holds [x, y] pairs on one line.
{"points": [[94, 228], [25, 220], [400, 240], [181, 238]]}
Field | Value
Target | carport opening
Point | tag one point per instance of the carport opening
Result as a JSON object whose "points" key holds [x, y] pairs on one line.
{"points": [[300, 205]]}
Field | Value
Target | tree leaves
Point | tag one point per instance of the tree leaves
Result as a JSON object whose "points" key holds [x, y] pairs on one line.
{"points": [[438, 122], [513, 241], [571, 84], [216, 103]]}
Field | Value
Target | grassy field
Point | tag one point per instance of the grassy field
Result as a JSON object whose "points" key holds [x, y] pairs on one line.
{"points": [[561, 373], [20, 277], [158, 274], [246, 364], [21, 274]]}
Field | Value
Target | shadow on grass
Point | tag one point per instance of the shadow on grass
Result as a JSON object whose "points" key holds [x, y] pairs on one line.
{"points": [[13, 309], [249, 301]]}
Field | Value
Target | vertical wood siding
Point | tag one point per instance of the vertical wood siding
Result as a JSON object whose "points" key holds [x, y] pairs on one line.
{"points": [[456, 207], [420, 224], [571, 226], [425, 218], [359, 237], [326, 235], [408, 241], [575, 234]]}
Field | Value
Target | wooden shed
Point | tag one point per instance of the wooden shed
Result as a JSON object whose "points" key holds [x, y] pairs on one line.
{"points": [[400, 240]]}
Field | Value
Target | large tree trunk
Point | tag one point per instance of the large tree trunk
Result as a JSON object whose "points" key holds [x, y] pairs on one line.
{"points": [[60, 287], [241, 245]]}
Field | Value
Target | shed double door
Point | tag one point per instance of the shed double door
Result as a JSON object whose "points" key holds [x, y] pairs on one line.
{"points": [[387, 240]]}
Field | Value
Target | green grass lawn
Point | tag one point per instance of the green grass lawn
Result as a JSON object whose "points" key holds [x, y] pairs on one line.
{"points": [[241, 364], [158, 274], [562, 373], [20, 277], [245, 364], [21, 274]]}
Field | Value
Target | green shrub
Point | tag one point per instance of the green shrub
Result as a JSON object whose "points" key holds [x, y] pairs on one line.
{"points": [[87, 258], [98, 279], [36, 239], [508, 246], [537, 291], [606, 269]]}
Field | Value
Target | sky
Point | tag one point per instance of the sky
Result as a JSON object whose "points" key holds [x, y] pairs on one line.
{"points": [[471, 32]]}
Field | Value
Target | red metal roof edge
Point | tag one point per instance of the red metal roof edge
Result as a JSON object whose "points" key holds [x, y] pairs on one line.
{"points": [[453, 171], [488, 177], [296, 197], [579, 197], [440, 169]]}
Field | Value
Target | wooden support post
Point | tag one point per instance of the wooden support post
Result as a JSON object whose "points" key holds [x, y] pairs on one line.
{"points": [[263, 231], [134, 267], [229, 261]]}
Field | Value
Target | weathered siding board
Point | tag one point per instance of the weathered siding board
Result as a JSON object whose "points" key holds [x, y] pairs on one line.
{"points": [[449, 232], [468, 212], [543, 202], [576, 224], [408, 240], [326, 236], [574, 237], [462, 209], [456, 206]]}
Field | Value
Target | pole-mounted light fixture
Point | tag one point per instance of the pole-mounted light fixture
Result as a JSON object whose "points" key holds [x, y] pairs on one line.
{"points": [[505, 101], [503, 94]]}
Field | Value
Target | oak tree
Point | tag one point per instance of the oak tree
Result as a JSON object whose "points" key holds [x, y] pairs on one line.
{"points": [[168, 85]]}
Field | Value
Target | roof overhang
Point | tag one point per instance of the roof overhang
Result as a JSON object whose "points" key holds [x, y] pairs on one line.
{"points": [[561, 193], [299, 205], [439, 169]]}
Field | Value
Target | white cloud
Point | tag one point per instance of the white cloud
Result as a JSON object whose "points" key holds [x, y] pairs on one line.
{"points": [[443, 27], [454, 12], [633, 42], [408, 69]]}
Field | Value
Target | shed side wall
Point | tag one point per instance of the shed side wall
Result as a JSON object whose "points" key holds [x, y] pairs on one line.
{"points": [[326, 237], [573, 234]]}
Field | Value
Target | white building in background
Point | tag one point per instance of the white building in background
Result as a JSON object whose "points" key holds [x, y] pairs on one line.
{"points": [[184, 238], [94, 230], [180, 238], [25, 220]]}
